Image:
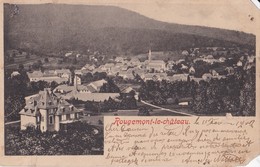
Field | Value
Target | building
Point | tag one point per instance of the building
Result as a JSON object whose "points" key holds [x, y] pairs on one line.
{"points": [[107, 67], [88, 67], [63, 73], [134, 61], [207, 76], [77, 80], [192, 70], [154, 76], [178, 77], [126, 75], [15, 73], [58, 76], [119, 59], [239, 63], [222, 59], [155, 65], [96, 85], [46, 112]]}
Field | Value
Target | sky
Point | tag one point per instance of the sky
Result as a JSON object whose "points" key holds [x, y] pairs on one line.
{"points": [[239, 15]]}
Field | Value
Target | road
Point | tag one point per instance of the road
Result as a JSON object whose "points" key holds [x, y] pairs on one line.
{"points": [[166, 109], [13, 122]]}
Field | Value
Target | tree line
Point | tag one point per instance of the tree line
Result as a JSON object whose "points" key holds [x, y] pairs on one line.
{"points": [[233, 94]]}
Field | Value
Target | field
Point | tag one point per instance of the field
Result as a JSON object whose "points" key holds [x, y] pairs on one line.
{"points": [[23, 60]]}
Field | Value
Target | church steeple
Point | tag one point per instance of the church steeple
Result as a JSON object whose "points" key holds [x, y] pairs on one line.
{"points": [[150, 55]]}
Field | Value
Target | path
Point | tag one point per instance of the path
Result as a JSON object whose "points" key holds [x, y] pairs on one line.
{"points": [[166, 109], [13, 122]]}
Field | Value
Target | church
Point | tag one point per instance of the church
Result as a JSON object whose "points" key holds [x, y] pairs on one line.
{"points": [[155, 65]]}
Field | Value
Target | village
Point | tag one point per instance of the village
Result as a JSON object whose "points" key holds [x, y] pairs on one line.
{"points": [[199, 82], [126, 76]]}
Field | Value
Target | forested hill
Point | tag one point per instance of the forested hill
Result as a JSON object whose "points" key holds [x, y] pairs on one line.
{"points": [[51, 28]]}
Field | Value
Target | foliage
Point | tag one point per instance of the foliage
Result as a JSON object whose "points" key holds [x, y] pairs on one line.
{"points": [[109, 87], [234, 94], [78, 139]]}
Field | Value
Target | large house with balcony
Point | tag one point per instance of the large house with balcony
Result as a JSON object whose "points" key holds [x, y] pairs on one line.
{"points": [[47, 112]]}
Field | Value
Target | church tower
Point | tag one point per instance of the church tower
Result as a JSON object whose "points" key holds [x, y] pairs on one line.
{"points": [[150, 55]]}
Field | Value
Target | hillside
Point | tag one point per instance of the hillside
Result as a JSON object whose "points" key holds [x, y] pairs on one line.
{"points": [[52, 28]]}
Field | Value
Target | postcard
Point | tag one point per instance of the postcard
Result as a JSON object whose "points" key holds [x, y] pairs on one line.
{"points": [[129, 83]]}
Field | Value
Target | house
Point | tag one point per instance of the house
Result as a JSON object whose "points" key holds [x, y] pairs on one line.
{"points": [[97, 97], [134, 61], [185, 53], [180, 61], [251, 59], [88, 67], [214, 73], [207, 76], [63, 73], [222, 59], [230, 70], [192, 78], [78, 72], [184, 67], [15, 73], [124, 67], [96, 85], [126, 75], [77, 80], [192, 70], [107, 67], [59, 76], [154, 76], [178, 77], [239, 63], [119, 59], [115, 70], [126, 89], [156, 65], [46, 112], [68, 54], [63, 89]]}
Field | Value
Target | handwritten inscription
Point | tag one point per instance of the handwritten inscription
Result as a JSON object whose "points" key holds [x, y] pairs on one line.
{"points": [[202, 141]]}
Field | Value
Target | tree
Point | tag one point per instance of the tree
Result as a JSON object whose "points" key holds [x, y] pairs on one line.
{"points": [[109, 87], [201, 100], [248, 95], [46, 60], [77, 139]]}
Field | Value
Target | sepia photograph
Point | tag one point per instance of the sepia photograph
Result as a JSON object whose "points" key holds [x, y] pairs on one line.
{"points": [[67, 66]]}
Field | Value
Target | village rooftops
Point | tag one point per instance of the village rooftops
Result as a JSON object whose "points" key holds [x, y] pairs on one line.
{"points": [[35, 74], [63, 71], [96, 85], [178, 77]]}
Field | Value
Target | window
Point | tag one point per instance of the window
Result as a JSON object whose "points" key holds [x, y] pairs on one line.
{"points": [[68, 116], [51, 119], [72, 116], [63, 117], [42, 119], [38, 119]]}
